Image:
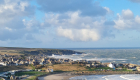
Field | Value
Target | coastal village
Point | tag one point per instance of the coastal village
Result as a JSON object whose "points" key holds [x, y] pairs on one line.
{"points": [[43, 60]]}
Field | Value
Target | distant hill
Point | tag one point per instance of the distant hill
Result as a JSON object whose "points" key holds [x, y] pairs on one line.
{"points": [[35, 51]]}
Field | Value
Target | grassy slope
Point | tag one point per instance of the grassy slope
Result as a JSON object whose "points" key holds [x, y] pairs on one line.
{"points": [[67, 67], [33, 74], [10, 52], [34, 51], [8, 68], [29, 73]]}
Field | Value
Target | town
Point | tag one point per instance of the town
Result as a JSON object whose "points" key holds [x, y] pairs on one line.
{"points": [[44, 60]]}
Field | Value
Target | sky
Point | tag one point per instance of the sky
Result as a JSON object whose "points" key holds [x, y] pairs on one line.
{"points": [[69, 23]]}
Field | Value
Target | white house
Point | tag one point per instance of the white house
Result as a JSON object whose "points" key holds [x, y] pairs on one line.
{"points": [[2, 63], [111, 65]]}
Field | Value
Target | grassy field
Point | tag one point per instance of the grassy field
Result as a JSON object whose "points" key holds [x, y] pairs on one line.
{"points": [[33, 74], [29, 73], [10, 52], [8, 68], [67, 67], [103, 68], [34, 51]]}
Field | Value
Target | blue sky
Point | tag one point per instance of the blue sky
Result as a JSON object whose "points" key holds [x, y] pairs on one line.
{"points": [[69, 23], [118, 5]]}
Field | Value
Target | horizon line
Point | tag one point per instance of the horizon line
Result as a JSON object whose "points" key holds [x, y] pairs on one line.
{"points": [[82, 48]]}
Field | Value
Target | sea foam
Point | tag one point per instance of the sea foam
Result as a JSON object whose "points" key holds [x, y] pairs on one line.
{"points": [[88, 57], [108, 77]]}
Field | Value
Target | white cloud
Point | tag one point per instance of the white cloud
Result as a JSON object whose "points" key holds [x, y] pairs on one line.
{"points": [[79, 34], [8, 28], [127, 14], [11, 14], [126, 20], [137, 19], [90, 8], [23, 5], [108, 10], [78, 28], [10, 10]]}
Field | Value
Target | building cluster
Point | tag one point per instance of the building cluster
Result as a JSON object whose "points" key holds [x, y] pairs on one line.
{"points": [[8, 60], [115, 66]]}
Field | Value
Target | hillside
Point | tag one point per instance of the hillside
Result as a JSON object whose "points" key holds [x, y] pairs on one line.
{"points": [[35, 51], [8, 68]]}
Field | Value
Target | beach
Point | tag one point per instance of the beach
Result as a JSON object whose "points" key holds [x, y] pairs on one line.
{"points": [[68, 76], [61, 76], [89, 76]]}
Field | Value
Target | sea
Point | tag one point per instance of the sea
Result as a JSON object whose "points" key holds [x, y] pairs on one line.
{"points": [[107, 77], [106, 55]]}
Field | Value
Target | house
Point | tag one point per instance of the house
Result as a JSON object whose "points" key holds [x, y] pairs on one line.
{"points": [[12, 64], [66, 60], [12, 77], [61, 60], [98, 65], [36, 63], [74, 62], [5, 55], [42, 59], [93, 64], [138, 68], [21, 62], [119, 65], [97, 62], [57, 62], [3, 60], [3, 64], [41, 63], [88, 65], [130, 66], [111, 65]]}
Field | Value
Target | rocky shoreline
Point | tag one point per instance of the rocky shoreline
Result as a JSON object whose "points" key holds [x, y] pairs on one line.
{"points": [[105, 73]]}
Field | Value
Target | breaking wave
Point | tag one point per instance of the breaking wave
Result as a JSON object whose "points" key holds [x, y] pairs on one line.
{"points": [[87, 56], [108, 77]]}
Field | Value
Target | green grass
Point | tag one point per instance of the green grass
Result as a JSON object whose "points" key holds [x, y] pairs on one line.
{"points": [[59, 71], [29, 73], [106, 68], [33, 74], [92, 69], [32, 67], [124, 69]]}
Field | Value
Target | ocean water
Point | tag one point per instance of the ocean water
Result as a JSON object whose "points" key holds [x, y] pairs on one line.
{"points": [[106, 55], [128, 55], [107, 77]]}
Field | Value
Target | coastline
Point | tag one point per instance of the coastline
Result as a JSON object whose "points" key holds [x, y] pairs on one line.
{"points": [[68, 75], [57, 76]]}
